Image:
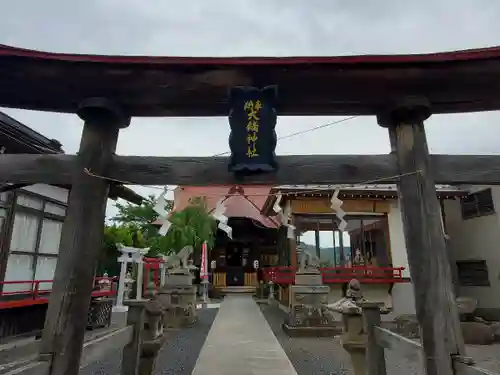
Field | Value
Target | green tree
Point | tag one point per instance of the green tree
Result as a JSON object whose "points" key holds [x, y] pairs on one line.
{"points": [[142, 216], [133, 226], [128, 235], [190, 227]]}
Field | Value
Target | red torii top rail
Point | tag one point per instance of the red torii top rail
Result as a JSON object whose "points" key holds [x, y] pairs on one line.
{"points": [[197, 86]]}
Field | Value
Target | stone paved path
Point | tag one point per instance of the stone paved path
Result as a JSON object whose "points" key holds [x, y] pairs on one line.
{"points": [[241, 342], [177, 357]]}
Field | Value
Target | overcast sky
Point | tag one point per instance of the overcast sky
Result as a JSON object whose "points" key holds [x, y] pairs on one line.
{"points": [[253, 28]]}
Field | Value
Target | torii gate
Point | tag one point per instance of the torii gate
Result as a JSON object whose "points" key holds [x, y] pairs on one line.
{"points": [[105, 91]]}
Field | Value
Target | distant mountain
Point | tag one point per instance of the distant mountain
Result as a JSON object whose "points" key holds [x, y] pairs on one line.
{"points": [[328, 254]]}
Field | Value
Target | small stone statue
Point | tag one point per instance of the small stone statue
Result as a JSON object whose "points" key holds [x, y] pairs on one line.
{"points": [[105, 282], [358, 258], [179, 262], [307, 260], [184, 255], [172, 261], [351, 300], [154, 317], [354, 291], [128, 282]]}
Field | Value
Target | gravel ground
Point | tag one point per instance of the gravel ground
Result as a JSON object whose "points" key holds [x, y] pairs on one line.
{"points": [[178, 356], [322, 356], [309, 356]]}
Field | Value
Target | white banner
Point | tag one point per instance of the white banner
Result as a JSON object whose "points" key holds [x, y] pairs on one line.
{"points": [[204, 259]]}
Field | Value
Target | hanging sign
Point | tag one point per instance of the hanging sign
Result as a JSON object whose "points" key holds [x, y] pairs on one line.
{"points": [[252, 140], [204, 256]]}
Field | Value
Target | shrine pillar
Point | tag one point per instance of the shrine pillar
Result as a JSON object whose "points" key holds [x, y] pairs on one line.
{"points": [[81, 238], [430, 272]]}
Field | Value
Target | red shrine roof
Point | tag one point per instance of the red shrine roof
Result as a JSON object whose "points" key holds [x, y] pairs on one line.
{"points": [[459, 81], [245, 203]]}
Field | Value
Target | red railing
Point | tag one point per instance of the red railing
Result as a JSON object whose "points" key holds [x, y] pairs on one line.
{"points": [[35, 295], [338, 275]]}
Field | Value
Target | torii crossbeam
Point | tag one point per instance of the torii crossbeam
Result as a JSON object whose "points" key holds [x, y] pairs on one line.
{"points": [[294, 170]]}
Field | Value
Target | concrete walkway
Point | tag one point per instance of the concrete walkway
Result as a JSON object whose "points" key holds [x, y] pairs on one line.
{"points": [[241, 342]]}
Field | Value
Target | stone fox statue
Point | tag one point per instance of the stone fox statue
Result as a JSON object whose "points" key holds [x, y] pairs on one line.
{"points": [[180, 260], [307, 260]]}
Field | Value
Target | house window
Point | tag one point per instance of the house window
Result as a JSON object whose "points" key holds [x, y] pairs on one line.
{"points": [[473, 273], [477, 204], [34, 242], [4, 206], [4, 197], [3, 216]]}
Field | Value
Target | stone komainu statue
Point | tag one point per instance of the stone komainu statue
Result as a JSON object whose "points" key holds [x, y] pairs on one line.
{"points": [[307, 259], [179, 261]]}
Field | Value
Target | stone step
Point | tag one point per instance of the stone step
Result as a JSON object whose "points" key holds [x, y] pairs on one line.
{"points": [[239, 289], [241, 342]]}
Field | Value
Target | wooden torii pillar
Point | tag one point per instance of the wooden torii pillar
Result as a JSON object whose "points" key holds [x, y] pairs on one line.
{"points": [[81, 238], [430, 270]]}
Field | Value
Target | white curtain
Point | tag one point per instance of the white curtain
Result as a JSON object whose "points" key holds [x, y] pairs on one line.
{"points": [[3, 214], [31, 202], [55, 209], [50, 237], [24, 232], [45, 269], [24, 238], [19, 268]]}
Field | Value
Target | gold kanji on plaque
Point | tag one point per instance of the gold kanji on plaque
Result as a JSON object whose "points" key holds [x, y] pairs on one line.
{"points": [[252, 109], [252, 138], [252, 151], [252, 126]]}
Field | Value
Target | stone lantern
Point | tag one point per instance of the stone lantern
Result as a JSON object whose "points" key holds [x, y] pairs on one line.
{"points": [[309, 314], [354, 339]]}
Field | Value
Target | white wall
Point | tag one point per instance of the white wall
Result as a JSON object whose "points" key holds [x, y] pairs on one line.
{"points": [[397, 239], [403, 296], [477, 238]]}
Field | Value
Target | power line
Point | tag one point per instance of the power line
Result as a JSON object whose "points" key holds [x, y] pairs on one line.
{"points": [[303, 131], [325, 125]]}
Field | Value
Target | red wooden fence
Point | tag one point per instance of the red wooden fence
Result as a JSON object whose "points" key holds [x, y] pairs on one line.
{"points": [[285, 275], [33, 295]]}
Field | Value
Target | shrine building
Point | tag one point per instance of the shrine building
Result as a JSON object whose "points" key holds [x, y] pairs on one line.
{"points": [[235, 262], [372, 248]]}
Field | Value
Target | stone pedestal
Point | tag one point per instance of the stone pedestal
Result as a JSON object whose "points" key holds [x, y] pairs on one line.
{"points": [[354, 339], [178, 296], [466, 307], [476, 333], [309, 314]]}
